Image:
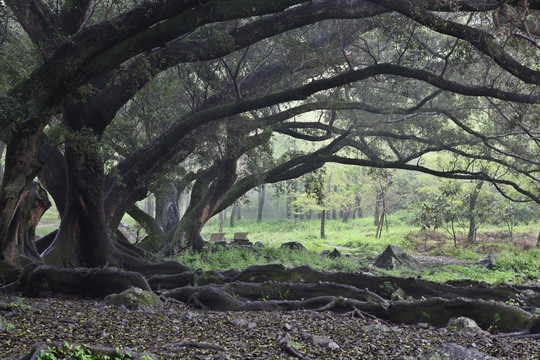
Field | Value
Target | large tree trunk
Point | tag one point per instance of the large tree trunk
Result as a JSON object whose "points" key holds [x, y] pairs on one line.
{"points": [[83, 238], [471, 236], [167, 211], [20, 169]]}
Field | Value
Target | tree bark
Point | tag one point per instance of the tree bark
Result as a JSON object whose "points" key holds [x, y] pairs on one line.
{"points": [[262, 193], [471, 236], [20, 168], [83, 238], [323, 223]]}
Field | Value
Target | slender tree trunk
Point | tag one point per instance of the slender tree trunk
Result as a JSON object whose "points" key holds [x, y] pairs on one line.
{"points": [[262, 195], [2, 148], [221, 220], [233, 214], [538, 240], [239, 212], [471, 236], [155, 239], [378, 203], [323, 223]]}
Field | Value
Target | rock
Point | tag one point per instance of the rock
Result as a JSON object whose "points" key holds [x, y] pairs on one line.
{"points": [[422, 326], [465, 325], [399, 294], [135, 299], [487, 262], [242, 243], [324, 253], [453, 352], [323, 341], [3, 323], [242, 322], [293, 245], [286, 338], [331, 254], [375, 328], [393, 257], [259, 244]]}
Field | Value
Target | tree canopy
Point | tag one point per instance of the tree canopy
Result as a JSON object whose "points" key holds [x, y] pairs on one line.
{"points": [[109, 100]]}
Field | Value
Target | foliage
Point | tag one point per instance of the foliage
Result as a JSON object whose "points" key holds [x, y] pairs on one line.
{"points": [[511, 214], [83, 352]]}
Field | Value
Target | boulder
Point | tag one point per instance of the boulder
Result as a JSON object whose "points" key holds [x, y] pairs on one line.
{"points": [[135, 299], [487, 262], [464, 325], [451, 351], [293, 245], [393, 257], [331, 254]]}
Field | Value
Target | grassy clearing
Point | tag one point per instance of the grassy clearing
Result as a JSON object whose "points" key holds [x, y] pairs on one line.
{"points": [[518, 261]]}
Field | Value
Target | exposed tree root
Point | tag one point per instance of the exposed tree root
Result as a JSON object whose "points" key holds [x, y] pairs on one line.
{"points": [[81, 281], [435, 311], [289, 349], [200, 345]]}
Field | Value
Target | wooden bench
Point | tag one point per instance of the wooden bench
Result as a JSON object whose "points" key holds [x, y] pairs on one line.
{"points": [[240, 236], [215, 237]]}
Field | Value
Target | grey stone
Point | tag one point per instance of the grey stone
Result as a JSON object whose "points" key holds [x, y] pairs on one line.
{"points": [[487, 262], [259, 244], [293, 245], [453, 352], [330, 254], [464, 325], [3, 323], [393, 257], [135, 299], [399, 294], [375, 328], [323, 341]]}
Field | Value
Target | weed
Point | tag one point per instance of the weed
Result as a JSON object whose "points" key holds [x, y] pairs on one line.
{"points": [[10, 326], [264, 297], [387, 288], [82, 352], [284, 295]]}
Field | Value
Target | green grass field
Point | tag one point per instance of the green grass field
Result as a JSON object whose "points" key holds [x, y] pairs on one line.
{"points": [[519, 259]]}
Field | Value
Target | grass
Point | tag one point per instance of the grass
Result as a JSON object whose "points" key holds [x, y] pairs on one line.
{"points": [[517, 263], [221, 258]]}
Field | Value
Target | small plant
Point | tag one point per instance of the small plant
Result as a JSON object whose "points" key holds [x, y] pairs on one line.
{"points": [[387, 288], [515, 302], [264, 297], [82, 352], [18, 305], [284, 295], [493, 327], [295, 345], [10, 326]]}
